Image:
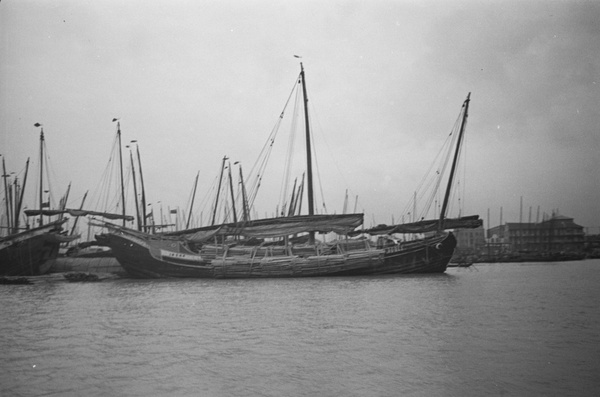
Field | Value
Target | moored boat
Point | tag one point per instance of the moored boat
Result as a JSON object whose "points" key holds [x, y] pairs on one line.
{"points": [[191, 253], [32, 252], [28, 251], [153, 256], [89, 256]]}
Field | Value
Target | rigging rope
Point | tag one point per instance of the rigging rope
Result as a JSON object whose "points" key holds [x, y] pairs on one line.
{"points": [[283, 194], [314, 155], [332, 157], [457, 192], [106, 196], [257, 170], [429, 187], [429, 178]]}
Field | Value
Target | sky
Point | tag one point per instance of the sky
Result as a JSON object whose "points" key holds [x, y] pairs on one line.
{"points": [[194, 81]]}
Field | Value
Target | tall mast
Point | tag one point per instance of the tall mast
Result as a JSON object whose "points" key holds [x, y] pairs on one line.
{"points": [[232, 195], [245, 208], [414, 219], [187, 225], [63, 201], [292, 200], [142, 186], [77, 218], [297, 203], [14, 205], [121, 169], [137, 207], [311, 210], [6, 197], [21, 194], [41, 173], [299, 196], [66, 197], [455, 160], [218, 191], [11, 195]]}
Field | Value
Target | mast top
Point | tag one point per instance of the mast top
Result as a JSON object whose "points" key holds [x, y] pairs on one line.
{"points": [[41, 130], [455, 160]]}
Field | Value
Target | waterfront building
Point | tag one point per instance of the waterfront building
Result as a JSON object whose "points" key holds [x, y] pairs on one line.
{"points": [[470, 241], [557, 234], [592, 245]]}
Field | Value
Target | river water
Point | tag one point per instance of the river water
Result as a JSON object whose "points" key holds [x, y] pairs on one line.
{"points": [[489, 330]]}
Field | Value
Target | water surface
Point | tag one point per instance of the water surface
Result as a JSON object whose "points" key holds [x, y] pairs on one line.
{"points": [[498, 329]]}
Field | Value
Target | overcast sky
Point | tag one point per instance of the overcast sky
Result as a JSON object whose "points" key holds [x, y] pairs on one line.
{"points": [[193, 81]]}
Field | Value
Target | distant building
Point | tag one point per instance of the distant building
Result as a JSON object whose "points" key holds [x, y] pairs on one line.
{"points": [[592, 245], [557, 234], [471, 241]]}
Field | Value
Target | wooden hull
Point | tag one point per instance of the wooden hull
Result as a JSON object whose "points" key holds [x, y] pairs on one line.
{"points": [[148, 258], [29, 254], [429, 255]]}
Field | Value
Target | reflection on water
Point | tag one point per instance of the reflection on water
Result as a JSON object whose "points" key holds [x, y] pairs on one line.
{"points": [[489, 330]]}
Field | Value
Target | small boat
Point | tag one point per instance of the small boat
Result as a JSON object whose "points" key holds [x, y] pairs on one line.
{"points": [[88, 249], [33, 251]]}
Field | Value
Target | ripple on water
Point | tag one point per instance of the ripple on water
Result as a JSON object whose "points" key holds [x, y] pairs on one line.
{"points": [[493, 329]]}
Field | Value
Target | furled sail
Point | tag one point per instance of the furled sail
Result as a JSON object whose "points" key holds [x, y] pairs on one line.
{"points": [[76, 212], [465, 222], [276, 227]]}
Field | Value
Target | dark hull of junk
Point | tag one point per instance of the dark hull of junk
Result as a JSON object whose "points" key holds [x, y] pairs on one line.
{"points": [[266, 248], [156, 256], [32, 252]]}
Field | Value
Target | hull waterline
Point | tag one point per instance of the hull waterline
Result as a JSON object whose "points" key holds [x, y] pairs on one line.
{"points": [[146, 258]]}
